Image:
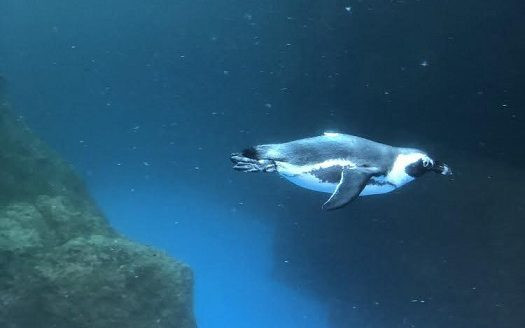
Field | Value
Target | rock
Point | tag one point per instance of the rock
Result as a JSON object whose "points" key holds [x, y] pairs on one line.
{"points": [[61, 264]]}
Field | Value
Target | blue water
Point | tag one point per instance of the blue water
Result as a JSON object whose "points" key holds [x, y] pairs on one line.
{"points": [[229, 249], [148, 99], [121, 92]]}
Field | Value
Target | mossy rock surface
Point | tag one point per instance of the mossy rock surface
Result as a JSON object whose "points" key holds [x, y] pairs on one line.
{"points": [[61, 264]]}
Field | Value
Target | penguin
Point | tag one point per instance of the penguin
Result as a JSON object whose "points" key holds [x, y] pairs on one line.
{"points": [[342, 165]]}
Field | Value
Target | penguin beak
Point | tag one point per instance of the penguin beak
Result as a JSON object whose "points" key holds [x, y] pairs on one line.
{"points": [[441, 168]]}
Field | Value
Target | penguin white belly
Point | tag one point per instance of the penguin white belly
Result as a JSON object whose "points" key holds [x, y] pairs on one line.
{"points": [[309, 181], [325, 176], [322, 177]]}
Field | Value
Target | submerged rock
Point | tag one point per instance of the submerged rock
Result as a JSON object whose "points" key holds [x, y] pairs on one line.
{"points": [[61, 264]]}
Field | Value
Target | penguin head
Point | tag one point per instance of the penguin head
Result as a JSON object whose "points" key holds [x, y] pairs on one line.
{"points": [[423, 164]]}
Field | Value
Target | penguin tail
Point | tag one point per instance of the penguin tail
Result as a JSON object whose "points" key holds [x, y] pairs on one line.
{"points": [[264, 152], [250, 153]]}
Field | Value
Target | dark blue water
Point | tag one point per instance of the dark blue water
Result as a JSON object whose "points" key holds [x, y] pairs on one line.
{"points": [[147, 101]]}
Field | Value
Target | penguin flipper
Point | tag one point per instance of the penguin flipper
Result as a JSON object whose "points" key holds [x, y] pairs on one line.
{"points": [[353, 181]]}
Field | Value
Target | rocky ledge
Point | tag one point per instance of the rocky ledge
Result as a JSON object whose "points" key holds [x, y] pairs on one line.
{"points": [[61, 264]]}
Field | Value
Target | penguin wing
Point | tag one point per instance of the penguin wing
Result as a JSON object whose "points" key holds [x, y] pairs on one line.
{"points": [[353, 181]]}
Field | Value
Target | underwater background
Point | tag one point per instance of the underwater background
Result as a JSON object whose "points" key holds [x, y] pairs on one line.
{"points": [[148, 99]]}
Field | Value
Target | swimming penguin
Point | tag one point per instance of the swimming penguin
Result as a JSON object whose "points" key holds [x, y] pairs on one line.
{"points": [[343, 165]]}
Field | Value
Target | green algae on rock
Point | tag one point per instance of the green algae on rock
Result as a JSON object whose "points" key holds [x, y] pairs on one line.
{"points": [[61, 264]]}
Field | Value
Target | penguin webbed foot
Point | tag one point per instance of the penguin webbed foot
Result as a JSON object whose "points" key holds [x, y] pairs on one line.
{"points": [[245, 164]]}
